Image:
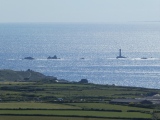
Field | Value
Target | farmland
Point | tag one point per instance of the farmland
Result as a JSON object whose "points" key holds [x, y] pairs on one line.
{"points": [[68, 101]]}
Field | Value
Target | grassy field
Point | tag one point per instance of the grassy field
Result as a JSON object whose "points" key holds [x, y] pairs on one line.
{"points": [[106, 106], [47, 118], [50, 92], [76, 113], [30, 100], [33, 105]]}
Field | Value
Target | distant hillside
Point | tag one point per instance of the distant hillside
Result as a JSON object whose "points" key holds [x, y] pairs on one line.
{"points": [[29, 75]]}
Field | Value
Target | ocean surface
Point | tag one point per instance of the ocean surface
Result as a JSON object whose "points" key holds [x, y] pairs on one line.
{"points": [[86, 51]]}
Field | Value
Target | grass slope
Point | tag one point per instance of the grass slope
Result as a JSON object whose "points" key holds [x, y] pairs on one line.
{"points": [[79, 100]]}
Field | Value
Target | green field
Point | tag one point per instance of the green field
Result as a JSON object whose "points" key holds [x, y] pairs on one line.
{"points": [[31, 100], [105, 106], [13, 91], [76, 113], [33, 105], [47, 118]]}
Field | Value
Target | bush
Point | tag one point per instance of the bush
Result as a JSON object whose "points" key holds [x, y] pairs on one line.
{"points": [[83, 81]]}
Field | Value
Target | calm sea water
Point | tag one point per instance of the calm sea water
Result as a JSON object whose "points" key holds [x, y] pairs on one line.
{"points": [[98, 44]]}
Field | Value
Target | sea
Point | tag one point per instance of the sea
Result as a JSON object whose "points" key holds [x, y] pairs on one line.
{"points": [[85, 51]]}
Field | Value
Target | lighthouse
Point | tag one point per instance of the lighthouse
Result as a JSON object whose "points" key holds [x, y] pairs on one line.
{"points": [[120, 52], [120, 55]]}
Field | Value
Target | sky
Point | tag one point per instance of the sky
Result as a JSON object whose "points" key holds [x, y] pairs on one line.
{"points": [[79, 10]]}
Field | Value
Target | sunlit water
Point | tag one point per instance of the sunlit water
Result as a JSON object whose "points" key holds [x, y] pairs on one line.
{"points": [[98, 44]]}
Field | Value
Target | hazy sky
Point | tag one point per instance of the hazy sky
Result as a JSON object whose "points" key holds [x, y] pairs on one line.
{"points": [[79, 10]]}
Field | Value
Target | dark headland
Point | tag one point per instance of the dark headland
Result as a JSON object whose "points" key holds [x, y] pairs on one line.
{"points": [[30, 76]]}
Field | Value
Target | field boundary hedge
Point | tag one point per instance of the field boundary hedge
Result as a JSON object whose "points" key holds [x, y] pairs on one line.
{"points": [[124, 118]]}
